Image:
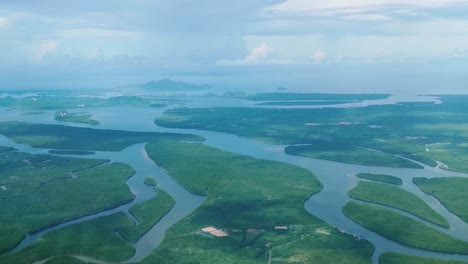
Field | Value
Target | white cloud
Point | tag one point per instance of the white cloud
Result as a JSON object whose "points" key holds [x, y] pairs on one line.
{"points": [[44, 47], [310, 6], [3, 22], [319, 56], [260, 52], [89, 32], [368, 17]]}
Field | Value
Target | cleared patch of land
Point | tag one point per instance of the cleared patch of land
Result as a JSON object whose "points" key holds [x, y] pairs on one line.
{"points": [[451, 192], [403, 229], [396, 258], [381, 178], [148, 214], [247, 198], [398, 198], [96, 238]]}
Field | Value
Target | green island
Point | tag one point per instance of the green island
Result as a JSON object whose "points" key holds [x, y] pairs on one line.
{"points": [[422, 132], [314, 96], [380, 178], [70, 152], [451, 192], [81, 118], [65, 260], [396, 258], [45, 102], [150, 181], [97, 238], [80, 138], [148, 214], [403, 229], [396, 197], [288, 103], [37, 189], [350, 154], [257, 205]]}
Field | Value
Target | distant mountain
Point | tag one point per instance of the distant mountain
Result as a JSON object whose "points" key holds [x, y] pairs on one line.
{"points": [[169, 85]]}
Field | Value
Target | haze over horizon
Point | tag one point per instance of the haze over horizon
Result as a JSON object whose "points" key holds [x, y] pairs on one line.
{"points": [[393, 46]]}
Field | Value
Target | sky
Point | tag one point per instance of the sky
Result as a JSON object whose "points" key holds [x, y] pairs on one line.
{"points": [[310, 45]]}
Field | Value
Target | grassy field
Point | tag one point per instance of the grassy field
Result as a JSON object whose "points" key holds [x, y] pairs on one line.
{"points": [[96, 238], [398, 198], [381, 178], [451, 192], [247, 198], [148, 214], [350, 154], [396, 258], [81, 118], [403, 229], [77, 138], [40, 191]]}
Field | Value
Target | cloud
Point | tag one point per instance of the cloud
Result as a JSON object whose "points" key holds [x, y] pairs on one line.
{"points": [[319, 56], [258, 53], [368, 17], [3, 22], [310, 6], [44, 47]]}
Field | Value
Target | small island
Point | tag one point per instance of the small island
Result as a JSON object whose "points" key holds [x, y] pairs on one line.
{"points": [[81, 118]]}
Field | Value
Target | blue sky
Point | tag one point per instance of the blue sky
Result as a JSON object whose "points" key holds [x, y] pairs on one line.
{"points": [[345, 45]]}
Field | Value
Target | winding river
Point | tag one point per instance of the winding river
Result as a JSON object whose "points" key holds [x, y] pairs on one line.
{"points": [[337, 179]]}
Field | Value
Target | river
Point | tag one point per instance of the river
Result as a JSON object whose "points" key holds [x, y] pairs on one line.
{"points": [[337, 178]]}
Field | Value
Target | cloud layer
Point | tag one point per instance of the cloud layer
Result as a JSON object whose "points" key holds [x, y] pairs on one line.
{"points": [[143, 39]]}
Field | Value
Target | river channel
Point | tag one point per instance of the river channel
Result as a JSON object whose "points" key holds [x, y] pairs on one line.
{"points": [[337, 179]]}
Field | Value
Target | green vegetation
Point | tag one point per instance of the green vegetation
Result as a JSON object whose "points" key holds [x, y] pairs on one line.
{"points": [[396, 258], [314, 96], [150, 181], [86, 238], [167, 85], [403, 229], [451, 192], [420, 131], [148, 214], [44, 102], [43, 190], [64, 260], [78, 138], [71, 152], [82, 118], [247, 198], [381, 178], [398, 198], [287, 103], [350, 154]]}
